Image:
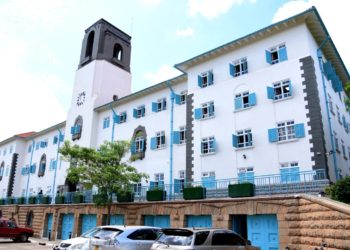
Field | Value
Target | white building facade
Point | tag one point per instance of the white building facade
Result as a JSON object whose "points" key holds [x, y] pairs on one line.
{"points": [[262, 105]]}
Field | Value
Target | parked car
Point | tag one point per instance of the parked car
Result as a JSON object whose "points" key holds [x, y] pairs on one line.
{"points": [[9, 229], [78, 242], [129, 238], [201, 238]]}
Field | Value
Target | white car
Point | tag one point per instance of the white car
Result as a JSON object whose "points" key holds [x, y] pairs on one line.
{"points": [[128, 238], [78, 242]]}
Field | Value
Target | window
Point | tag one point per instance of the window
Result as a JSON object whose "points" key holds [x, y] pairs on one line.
{"points": [[139, 112], [25, 170], [118, 52], [159, 105], [289, 172], [206, 111], [182, 135], [2, 168], [243, 139], [208, 145], [343, 148], [90, 44], [280, 90], [144, 234], [338, 115], [330, 104], [55, 139], [227, 238], [77, 129], [158, 181], [158, 141], [32, 168], [42, 166], [205, 79], [106, 122], [246, 175], [4, 153], [286, 131], [137, 188], [139, 142], [276, 54], [181, 99], [336, 142], [244, 100], [122, 117], [239, 67], [332, 76], [43, 144], [180, 182], [53, 164], [201, 238], [11, 149], [208, 179]]}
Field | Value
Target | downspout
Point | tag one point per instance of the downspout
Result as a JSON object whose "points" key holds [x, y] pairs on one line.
{"points": [[113, 124], [30, 164], [54, 177], [320, 62], [172, 98]]}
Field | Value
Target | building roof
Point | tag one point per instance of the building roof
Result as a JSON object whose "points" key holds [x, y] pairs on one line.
{"points": [[313, 21]]}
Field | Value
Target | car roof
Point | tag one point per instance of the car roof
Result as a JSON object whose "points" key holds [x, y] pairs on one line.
{"points": [[125, 227]]}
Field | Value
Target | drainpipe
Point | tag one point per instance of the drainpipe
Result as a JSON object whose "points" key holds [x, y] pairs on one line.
{"points": [[60, 134], [320, 62], [172, 98], [113, 125], [30, 164]]}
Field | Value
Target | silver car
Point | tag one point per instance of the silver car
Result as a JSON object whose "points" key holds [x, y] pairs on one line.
{"points": [[201, 239], [126, 238]]}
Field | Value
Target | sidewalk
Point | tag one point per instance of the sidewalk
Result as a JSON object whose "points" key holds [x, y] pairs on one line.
{"points": [[44, 241]]}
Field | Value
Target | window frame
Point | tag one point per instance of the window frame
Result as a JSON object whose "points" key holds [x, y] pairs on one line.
{"points": [[208, 145], [240, 67], [286, 131], [247, 138]]}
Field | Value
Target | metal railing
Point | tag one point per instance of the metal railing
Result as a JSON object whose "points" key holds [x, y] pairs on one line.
{"points": [[302, 182]]}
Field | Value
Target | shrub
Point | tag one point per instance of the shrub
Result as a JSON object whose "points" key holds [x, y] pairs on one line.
{"points": [[340, 191]]}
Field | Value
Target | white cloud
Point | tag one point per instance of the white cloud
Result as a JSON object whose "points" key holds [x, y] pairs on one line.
{"points": [[332, 14], [164, 72], [212, 8], [185, 32], [151, 2]]}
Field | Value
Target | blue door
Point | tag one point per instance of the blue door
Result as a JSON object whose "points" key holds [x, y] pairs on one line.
{"points": [[49, 225], [67, 226], [157, 220], [263, 231], [198, 220], [116, 219], [88, 222]]}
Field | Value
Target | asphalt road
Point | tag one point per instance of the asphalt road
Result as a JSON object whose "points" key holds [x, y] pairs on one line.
{"points": [[30, 245]]}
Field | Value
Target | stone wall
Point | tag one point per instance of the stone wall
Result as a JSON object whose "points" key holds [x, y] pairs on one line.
{"points": [[304, 222]]}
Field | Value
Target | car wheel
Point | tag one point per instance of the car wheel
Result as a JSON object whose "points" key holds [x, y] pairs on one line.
{"points": [[23, 237]]}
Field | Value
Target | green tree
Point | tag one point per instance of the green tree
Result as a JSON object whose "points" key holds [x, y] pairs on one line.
{"points": [[347, 100], [340, 191], [102, 168]]}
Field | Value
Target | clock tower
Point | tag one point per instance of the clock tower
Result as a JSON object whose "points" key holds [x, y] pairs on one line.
{"points": [[103, 74]]}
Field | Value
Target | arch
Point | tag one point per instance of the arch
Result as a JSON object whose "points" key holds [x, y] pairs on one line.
{"points": [[2, 170], [78, 125], [118, 52], [90, 44], [29, 218], [42, 166]]}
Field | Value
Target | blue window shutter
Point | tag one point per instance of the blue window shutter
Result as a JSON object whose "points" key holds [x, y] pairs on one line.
{"points": [[153, 143], [252, 99], [176, 137], [232, 70], [268, 57], [161, 184], [214, 145], [337, 84], [210, 78], [143, 110], [270, 93], [177, 99], [250, 177], [142, 144], [61, 137], [198, 113], [134, 113], [299, 130], [133, 147], [284, 172], [22, 171], [177, 185], [151, 185], [164, 104], [116, 118], [42, 144], [273, 134], [344, 122], [55, 139], [282, 54], [238, 103], [234, 141], [154, 107], [72, 130], [328, 69], [200, 81]]}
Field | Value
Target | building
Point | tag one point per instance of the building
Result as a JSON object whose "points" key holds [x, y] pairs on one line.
{"points": [[266, 108]]}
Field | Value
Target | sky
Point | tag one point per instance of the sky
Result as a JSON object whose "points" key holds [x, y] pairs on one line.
{"points": [[40, 44]]}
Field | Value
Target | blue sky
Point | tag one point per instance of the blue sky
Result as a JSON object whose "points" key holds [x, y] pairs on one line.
{"points": [[41, 41]]}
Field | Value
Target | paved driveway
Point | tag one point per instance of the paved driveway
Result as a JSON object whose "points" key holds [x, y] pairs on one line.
{"points": [[33, 244]]}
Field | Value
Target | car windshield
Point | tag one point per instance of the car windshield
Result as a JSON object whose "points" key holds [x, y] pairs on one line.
{"points": [[105, 233], [176, 237], [90, 233]]}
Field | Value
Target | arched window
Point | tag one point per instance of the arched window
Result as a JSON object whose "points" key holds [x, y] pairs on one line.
{"points": [[29, 219], [42, 166], [117, 52], [90, 44], [77, 128], [2, 168]]}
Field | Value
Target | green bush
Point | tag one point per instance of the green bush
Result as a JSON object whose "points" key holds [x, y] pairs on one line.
{"points": [[245, 189], [32, 200], [100, 198], [78, 198], [125, 197], [21, 200], [194, 193], [156, 195], [340, 191], [59, 199]]}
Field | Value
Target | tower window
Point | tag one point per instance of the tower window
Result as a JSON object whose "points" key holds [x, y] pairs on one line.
{"points": [[90, 44], [42, 166], [118, 52], [77, 128]]}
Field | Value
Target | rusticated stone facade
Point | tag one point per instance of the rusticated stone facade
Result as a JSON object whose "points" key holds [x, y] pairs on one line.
{"points": [[304, 222]]}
